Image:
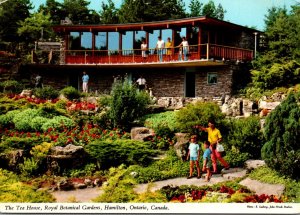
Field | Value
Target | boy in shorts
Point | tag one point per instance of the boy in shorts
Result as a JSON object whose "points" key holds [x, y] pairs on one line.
{"points": [[194, 155], [207, 160]]}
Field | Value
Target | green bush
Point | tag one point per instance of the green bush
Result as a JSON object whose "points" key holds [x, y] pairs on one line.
{"points": [[22, 120], [37, 122], [245, 136], [21, 142], [127, 104], [11, 86], [119, 187], [29, 167], [282, 149], [47, 92], [198, 114], [7, 119], [12, 190], [58, 123], [70, 93], [236, 159], [169, 167], [114, 153]]}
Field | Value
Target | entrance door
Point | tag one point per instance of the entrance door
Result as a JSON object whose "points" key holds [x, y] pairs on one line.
{"points": [[74, 81], [190, 85]]}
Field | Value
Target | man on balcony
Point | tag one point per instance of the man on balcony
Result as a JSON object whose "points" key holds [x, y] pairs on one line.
{"points": [[85, 81], [160, 45]]}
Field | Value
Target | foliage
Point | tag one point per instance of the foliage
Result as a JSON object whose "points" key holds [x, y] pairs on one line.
{"points": [[119, 187], [150, 197], [40, 152], [211, 10], [113, 153], [277, 75], [11, 12], [109, 13], [47, 92], [32, 27], [161, 122], [6, 119], [142, 11], [29, 167], [282, 150], [53, 8], [37, 122], [70, 93], [237, 159], [127, 104], [195, 8], [88, 170], [58, 123], [267, 175], [22, 120], [21, 142], [245, 136], [169, 167], [198, 114], [11, 86], [12, 190]]}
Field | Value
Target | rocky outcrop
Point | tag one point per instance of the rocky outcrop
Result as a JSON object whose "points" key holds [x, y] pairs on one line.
{"points": [[11, 160], [141, 133], [181, 146], [67, 157]]}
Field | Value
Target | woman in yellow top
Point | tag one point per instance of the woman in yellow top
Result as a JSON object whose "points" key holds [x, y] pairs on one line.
{"points": [[214, 137], [169, 47]]}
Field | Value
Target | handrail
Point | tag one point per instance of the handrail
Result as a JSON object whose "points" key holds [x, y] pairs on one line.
{"points": [[193, 52]]}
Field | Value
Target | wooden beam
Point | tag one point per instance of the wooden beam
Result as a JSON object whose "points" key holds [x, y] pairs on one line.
{"points": [[120, 43]]}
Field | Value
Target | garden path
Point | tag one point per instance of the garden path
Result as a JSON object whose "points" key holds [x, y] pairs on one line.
{"points": [[86, 195]]}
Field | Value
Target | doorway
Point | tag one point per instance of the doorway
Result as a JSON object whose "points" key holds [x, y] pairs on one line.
{"points": [[190, 84], [74, 81]]}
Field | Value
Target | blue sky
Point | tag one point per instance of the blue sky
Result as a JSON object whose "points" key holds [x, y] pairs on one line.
{"points": [[242, 12]]}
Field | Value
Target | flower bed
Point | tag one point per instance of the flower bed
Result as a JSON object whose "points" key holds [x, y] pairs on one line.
{"points": [[222, 193]]}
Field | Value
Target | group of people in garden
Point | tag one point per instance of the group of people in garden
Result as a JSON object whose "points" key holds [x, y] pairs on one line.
{"points": [[166, 47], [212, 152]]}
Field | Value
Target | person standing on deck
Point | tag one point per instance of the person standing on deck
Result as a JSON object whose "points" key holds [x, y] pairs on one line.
{"points": [[160, 45]]}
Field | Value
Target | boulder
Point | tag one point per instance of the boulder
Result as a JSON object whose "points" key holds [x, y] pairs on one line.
{"points": [[27, 93], [80, 186], [11, 160], [247, 107], [88, 182], [181, 146], [62, 158], [65, 185], [268, 105], [253, 164], [141, 133]]}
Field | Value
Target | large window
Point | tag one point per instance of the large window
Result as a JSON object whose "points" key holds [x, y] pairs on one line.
{"points": [[100, 41], [74, 41], [86, 40]]}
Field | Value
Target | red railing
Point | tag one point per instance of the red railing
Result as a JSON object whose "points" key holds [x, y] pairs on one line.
{"points": [[195, 52]]}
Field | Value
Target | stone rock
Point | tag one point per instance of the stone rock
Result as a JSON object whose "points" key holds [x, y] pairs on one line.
{"points": [[268, 105], [92, 100], [226, 110], [247, 107], [88, 182], [27, 93], [233, 173], [181, 146], [11, 160], [62, 158], [263, 188], [80, 186], [133, 174], [97, 182], [65, 185], [227, 97], [141, 133], [253, 164]]}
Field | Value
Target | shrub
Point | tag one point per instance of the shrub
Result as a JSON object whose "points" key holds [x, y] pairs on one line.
{"points": [[47, 92], [282, 150], [29, 167], [246, 136], [21, 142], [114, 153], [119, 188], [11, 86], [22, 120], [236, 159], [70, 93], [198, 114], [127, 104], [12, 190], [37, 122], [7, 119], [58, 123]]}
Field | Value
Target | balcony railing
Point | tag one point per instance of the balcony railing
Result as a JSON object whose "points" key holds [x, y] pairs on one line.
{"points": [[203, 52]]}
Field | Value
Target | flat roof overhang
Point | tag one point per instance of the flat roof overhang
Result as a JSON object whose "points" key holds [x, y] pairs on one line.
{"points": [[149, 26], [182, 64]]}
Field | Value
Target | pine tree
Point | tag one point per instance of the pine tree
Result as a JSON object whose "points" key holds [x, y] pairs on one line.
{"points": [[282, 130], [195, 8]]}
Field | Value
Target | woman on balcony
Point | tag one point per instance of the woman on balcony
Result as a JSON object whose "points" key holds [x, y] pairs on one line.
{"points": [[144, 50], [185, 49], [169, 47]]}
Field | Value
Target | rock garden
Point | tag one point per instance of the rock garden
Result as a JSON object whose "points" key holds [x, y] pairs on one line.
{"points": [[127, 147]]}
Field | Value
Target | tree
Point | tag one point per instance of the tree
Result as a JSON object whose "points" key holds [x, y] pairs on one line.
{"points": [[109, 13], [54, 9], [144, 10], [11, 13], [195, 8], [78, 12], [35, 27], [282, 151], [220, 12]]}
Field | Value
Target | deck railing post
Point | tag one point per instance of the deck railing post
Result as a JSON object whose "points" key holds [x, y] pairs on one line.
{"points": [[85, 57], [133, 55], [207, 51]]}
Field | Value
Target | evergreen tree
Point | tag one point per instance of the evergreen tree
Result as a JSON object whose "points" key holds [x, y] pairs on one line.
{"points": [[54, 9], [282, 130], [11, 13], [209, 9], [108, 13], [195, 8]]}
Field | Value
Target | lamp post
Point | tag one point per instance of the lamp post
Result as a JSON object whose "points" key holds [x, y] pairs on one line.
{"points": [[255, 44]]}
